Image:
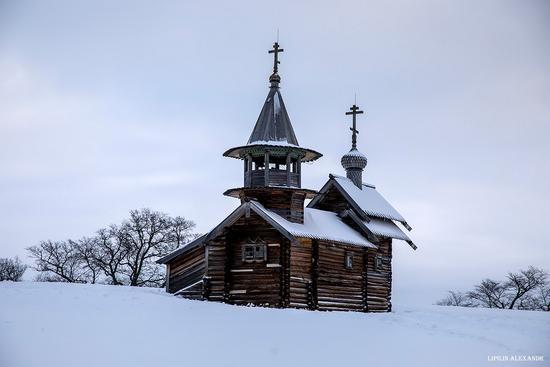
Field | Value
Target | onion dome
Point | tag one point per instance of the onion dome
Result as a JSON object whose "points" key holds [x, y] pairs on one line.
{"points": [[354, 159]]}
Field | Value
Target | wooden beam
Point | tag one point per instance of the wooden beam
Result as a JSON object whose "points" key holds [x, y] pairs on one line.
{"points": [[249, 172], [266, 168], [314, 302], [167, 277], [288, 169], [365, 279], [299, 171]]}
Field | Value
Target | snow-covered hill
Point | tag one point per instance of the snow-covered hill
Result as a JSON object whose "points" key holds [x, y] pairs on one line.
{"points": [[54, 324]]}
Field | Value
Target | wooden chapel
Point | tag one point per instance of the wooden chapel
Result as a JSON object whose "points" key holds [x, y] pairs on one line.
{"points": [[273, 250]]}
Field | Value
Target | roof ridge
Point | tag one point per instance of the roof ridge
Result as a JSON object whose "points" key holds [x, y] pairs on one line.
{"points": [[332, 175]]}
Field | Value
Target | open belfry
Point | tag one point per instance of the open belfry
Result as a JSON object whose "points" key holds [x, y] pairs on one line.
{"points": [[272, 250]]}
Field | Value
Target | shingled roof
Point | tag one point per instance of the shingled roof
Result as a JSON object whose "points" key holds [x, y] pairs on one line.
{"points": [[273, 124]]}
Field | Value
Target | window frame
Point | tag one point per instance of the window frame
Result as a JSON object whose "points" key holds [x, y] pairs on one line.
{"points": [[348, 260], [258, 250], [378, 262]]}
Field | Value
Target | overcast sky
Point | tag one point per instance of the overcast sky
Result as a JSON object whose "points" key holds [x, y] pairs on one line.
{"points": [[111, 106]]}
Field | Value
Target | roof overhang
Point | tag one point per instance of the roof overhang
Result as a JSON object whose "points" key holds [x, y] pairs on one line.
{"points": [[307, 155], [185, 248], [360, 211], [372, 235], [246, 191]]}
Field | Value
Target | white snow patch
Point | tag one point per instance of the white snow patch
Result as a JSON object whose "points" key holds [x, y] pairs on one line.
{"points": [[66, 325], [277, 143], [370, 200], [319, 224], [386, 228]]}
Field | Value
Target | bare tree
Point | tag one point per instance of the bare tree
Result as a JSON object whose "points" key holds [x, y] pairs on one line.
{"points": [[119, 254], [181, 232], [109, 253], [147, 235], [525, 290], [59, 261], [519, 284], [539, 300], [456, 299], [490, 293], [12, 269], [85, 251]]}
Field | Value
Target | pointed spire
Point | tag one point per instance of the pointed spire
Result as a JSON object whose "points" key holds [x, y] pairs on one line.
{"points": [[273, 124], [354, 162]]}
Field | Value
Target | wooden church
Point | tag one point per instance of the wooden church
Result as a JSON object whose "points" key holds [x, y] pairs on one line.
{"points": [[272, 250]]}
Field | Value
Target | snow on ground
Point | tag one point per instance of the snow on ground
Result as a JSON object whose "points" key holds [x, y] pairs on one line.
{"points": [[56, 324]]}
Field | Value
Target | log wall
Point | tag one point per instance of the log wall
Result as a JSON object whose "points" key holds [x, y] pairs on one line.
{"points": [[289, 204], [339, 288], [379, 281], [215, 272], [307, 274], [300, 273], [187, 270], [257, 283]]}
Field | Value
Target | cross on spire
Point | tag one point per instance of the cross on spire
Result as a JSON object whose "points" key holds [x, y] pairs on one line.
{"points": [[276, 61], [354, 111]]}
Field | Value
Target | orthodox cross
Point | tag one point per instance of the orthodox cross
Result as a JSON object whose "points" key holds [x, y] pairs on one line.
{"points": [[276, 61], [354, 112]]}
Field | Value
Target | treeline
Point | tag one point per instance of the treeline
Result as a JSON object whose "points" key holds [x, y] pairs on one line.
{"points": [[525, 290], [122, 254]]}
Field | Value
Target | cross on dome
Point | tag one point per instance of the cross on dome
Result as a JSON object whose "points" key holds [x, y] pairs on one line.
{"points": [[354, 111]]}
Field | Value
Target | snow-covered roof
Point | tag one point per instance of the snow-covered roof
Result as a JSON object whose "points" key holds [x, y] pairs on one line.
{"points": [[274, 143], [385, 228], [321, 225], [368, 199], [354, 152], [318, 224]]}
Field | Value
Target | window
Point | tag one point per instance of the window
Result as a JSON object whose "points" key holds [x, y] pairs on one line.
{"points": [[254, 252], [349, 260], [248, 253], [378, 263]]}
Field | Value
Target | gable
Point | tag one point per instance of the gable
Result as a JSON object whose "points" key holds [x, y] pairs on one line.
{"points": [[331, 199], [245, 211], [368, 199], [366, 202], [363, 209]]}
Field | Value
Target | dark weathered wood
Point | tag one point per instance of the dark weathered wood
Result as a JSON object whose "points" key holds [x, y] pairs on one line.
{"points": [[288, 173], [266, 168], [365, 280], [315, 275], [186, 270], [304, 273]]}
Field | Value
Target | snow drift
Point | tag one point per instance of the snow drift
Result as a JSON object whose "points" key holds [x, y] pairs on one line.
{"points": [[57, 324]]}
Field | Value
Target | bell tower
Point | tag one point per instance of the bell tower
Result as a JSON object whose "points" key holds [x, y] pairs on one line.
{"points": [[273, 158]]}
